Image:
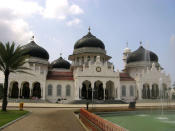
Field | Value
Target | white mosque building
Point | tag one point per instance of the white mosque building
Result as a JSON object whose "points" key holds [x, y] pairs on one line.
{"points": [[90, 75]]}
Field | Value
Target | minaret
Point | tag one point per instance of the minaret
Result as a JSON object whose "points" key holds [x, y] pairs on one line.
{"points": [[126, 52]]}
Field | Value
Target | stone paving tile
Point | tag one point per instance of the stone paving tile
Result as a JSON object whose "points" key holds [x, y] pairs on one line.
{"points": [[44, 119]]}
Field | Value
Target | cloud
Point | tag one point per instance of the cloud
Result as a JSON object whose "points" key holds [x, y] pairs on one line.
{"points": [[60, 9], [21, 8], [73, 22], [76, 10], [12, 20], [13, 15], [16, 30]]}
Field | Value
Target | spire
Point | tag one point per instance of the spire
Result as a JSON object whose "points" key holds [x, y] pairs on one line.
{"points": [[61, 54], [140, 43], [89, 29], [127, 44], [32, 39]]}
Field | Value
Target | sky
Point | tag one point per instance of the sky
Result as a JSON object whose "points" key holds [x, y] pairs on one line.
{"points": [[58, 24]]}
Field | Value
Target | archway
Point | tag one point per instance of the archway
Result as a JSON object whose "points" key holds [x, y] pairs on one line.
{"points": [[146, 91], [25, 90], [36, 90], [15, 90], [98, 90], [110, 91], [86, 91], [155, 91]]}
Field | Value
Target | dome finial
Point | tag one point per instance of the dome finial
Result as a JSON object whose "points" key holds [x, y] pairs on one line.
{"points": [[61, 54], [127, 44], [89, 29], [32, 39], [140, 43]]}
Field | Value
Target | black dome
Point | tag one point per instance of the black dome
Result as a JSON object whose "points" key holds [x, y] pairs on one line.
{"points": [[36, 51], [89, 41], [60, 63], [141, 54]]}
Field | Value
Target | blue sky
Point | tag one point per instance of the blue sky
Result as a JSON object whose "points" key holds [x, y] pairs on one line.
{"points": [[58, 24]]}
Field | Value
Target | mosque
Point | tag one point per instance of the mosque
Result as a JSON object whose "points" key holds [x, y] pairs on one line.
{"points": [[90, 75]]}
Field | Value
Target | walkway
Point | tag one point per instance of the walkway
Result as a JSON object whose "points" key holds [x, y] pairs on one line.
{"points": [[52, 105], [44, 119]]}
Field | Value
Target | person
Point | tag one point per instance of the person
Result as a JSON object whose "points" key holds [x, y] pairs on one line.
{"points": [[87, 105]]}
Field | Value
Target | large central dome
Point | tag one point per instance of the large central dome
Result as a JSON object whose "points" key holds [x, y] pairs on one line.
{"points": [[89, 40], [141, 54], [36, 51]]}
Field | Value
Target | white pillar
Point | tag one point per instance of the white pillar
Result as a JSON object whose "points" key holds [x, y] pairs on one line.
{"points": [[77, 86], [92, 84], [43, 88], [79, 92], [30, 87], [19, 84], [150, 88], [104, 88], [140, 91], [118, 92]]}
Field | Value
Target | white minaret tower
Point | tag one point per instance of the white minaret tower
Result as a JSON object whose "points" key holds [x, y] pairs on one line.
{"points": [[126, 52]]}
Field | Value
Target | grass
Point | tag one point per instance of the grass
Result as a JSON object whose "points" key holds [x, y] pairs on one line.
{"points": [[10, 115]]}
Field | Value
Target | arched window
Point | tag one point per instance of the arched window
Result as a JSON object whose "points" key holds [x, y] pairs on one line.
{"points": [[68, 90], [88, 58], [123, 91], [49, 90], [131, 90], [82, 60], [58, 90], [103, 60], [95, 58], [78, 60]]}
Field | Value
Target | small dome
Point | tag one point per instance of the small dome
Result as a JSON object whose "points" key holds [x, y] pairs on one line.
{"points": [[89, 41], [141, 54], [36, 51], [60, 63], [127, 50]]}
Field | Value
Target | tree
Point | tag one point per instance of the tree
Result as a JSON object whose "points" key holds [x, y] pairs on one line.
{"points": [[1, 91], [12, 59]]}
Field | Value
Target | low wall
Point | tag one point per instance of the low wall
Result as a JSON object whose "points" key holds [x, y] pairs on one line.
{"points": [[96, 123]]}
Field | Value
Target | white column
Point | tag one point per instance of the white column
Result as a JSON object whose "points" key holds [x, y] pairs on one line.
{"points": [[34, 67], [118, 92], [92, 85], [43, 93], [30, 87], [19, 87], [80, 94], [140, 91], [77, 86], [104, 88]]}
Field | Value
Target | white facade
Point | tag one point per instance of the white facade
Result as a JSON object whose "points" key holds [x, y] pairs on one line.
{"points": [[93, 77]]}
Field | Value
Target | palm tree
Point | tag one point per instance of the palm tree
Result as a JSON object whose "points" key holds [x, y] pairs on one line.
{"points": [[12, 59]]}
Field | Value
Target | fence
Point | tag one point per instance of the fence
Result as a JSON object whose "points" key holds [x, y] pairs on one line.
{"points": [[100, 124]]}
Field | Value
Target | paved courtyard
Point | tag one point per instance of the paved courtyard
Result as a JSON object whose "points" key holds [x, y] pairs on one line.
{"points": [[59, 117], [47, 119]]}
